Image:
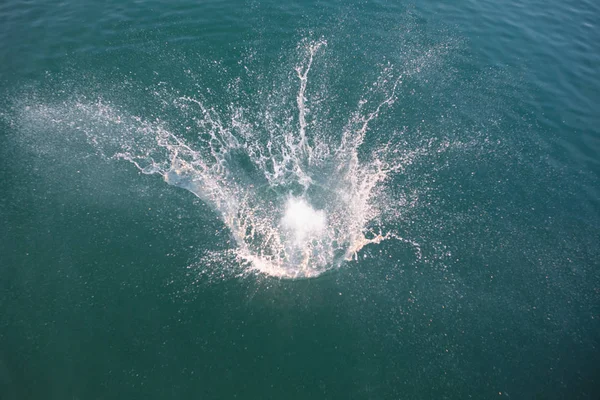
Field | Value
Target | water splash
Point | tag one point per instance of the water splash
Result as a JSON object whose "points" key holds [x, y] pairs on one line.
{"points": [[297, 201]]}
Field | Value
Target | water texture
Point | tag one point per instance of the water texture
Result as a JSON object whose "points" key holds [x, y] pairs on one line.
{"points": [[244, 199]]}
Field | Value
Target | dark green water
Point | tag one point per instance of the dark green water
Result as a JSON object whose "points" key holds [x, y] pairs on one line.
{"points": [[484, 117]]}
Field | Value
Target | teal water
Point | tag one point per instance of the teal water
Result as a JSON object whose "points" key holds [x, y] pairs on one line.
{"points": [[307, 200]]}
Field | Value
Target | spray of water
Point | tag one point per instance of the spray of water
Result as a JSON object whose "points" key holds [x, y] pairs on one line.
{"points": [[297, 201]]}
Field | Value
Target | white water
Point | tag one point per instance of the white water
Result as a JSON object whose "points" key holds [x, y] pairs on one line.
{"points": [[297, 201]]}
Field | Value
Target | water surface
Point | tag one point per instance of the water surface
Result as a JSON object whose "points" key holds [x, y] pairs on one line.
{"points": [[322, 199]]}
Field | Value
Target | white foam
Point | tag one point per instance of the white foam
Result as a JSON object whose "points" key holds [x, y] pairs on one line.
{"points": [[302, 220]]}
